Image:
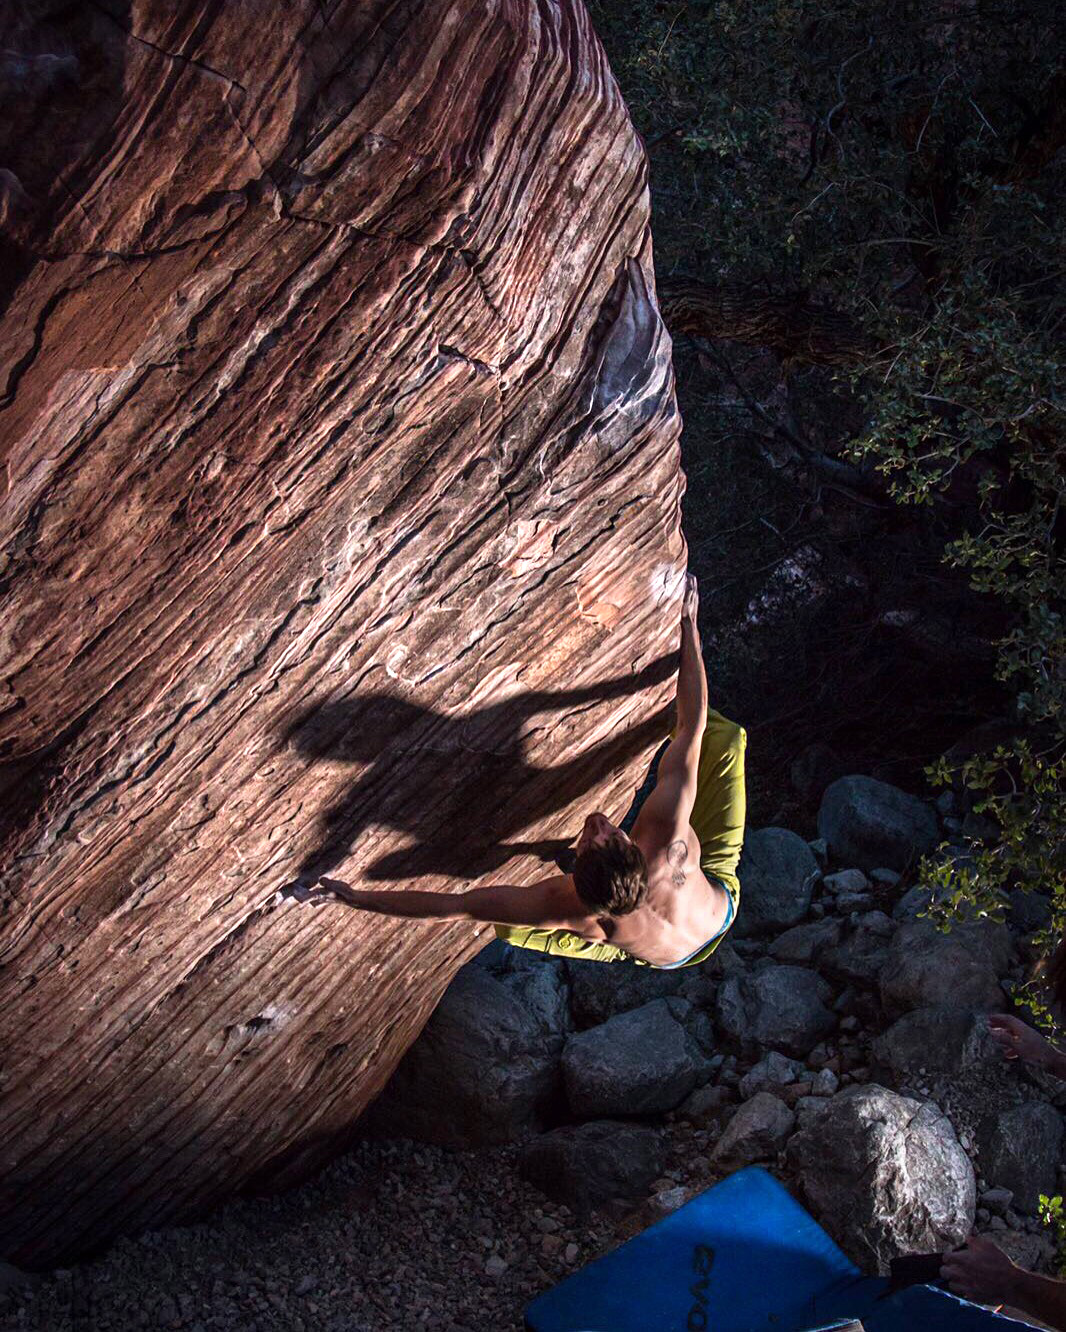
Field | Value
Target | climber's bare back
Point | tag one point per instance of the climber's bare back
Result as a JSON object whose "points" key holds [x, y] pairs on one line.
{"points": [[682, 909]]}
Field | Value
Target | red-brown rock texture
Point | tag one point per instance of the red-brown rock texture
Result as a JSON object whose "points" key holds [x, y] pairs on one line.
{"points": [[340, 510]]}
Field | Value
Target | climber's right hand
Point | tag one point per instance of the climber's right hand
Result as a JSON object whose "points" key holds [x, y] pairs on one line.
{"points": [[306, 889], [338, 891], [690, 605]]}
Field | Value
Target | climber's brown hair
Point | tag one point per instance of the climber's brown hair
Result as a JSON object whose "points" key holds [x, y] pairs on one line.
{"points": [[613, 878]]}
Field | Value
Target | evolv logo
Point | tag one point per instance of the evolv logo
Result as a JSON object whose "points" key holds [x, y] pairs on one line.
{"points": [[702, 1262]]}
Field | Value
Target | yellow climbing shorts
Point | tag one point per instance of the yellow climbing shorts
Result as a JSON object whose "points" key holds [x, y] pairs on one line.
{"points": [[717, 820]]}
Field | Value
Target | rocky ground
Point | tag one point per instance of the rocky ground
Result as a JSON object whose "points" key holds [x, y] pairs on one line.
{"points": [[837, 1038], [396, 1235]]}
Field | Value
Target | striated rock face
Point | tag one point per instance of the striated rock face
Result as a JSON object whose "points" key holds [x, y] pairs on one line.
{"points": [[340, 530]]}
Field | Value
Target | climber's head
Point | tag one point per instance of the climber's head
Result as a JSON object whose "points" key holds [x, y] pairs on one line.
{"points": [[610, 874]]}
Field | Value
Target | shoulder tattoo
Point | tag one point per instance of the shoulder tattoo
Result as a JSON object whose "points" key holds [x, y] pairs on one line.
{"points": [[676, 855]]}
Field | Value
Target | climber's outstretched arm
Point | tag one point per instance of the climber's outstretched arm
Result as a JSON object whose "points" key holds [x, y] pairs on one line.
{"points": [[675, 791], [553, 903]]}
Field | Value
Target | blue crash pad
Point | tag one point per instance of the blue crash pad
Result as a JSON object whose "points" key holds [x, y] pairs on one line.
{"points": [[742, 1257]]}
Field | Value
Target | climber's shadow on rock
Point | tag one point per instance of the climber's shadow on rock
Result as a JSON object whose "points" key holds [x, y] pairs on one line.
{"points": [[461, 787]]}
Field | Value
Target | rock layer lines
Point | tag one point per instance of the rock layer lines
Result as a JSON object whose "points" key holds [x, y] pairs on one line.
{"points": [[340, 530]]}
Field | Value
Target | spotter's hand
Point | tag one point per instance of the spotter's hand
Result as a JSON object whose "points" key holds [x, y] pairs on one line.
{"points": [[981, 1272], [1017, 1040]]}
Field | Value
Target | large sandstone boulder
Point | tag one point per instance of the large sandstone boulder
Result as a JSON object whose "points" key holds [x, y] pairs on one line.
{"points": [[777, 873], [873, 825], [340, 476], [885, 1175]]}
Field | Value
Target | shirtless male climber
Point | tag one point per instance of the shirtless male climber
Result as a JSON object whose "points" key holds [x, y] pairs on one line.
{"points": [[664, 895]]}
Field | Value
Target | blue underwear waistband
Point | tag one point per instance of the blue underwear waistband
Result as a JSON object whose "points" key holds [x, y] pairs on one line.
{"points": [[669, 966]]}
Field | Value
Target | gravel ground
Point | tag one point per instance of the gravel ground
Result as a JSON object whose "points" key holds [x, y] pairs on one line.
{"points": [[393, 1236]]}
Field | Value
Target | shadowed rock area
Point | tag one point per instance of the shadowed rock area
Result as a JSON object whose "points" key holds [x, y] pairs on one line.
{"points": [[340, 494]]}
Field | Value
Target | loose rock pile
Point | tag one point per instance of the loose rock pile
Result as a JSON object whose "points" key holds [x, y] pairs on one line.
{"points": [[838, 1035], [845, 1048]]}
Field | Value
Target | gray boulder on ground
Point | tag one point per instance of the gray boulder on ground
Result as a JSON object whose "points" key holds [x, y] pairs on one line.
{"points": [[538, 981], [777, 872], [15, 1279], [1029, 910], [805, 943], [825, 1083], [847, 903], [884, 1174], [1028, 1251], [846, 881], [637, 1063], [779, 1007], [877, 922], [1021, 1149], [914, 902], [988, 940], [809, 1109], [724, 961], [587, 1166], [859, 957], [774, 1071], [873, 825], [599, 991], [885, 878], [813, 769], [486, 1065], [925, 968], [757, 1132], [705, 1104], [945, 1039]]}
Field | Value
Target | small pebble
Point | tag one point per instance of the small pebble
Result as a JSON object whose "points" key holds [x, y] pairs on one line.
{"points": [[669, 1200], [885, 878], [846, 881], [825, 1083]]}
